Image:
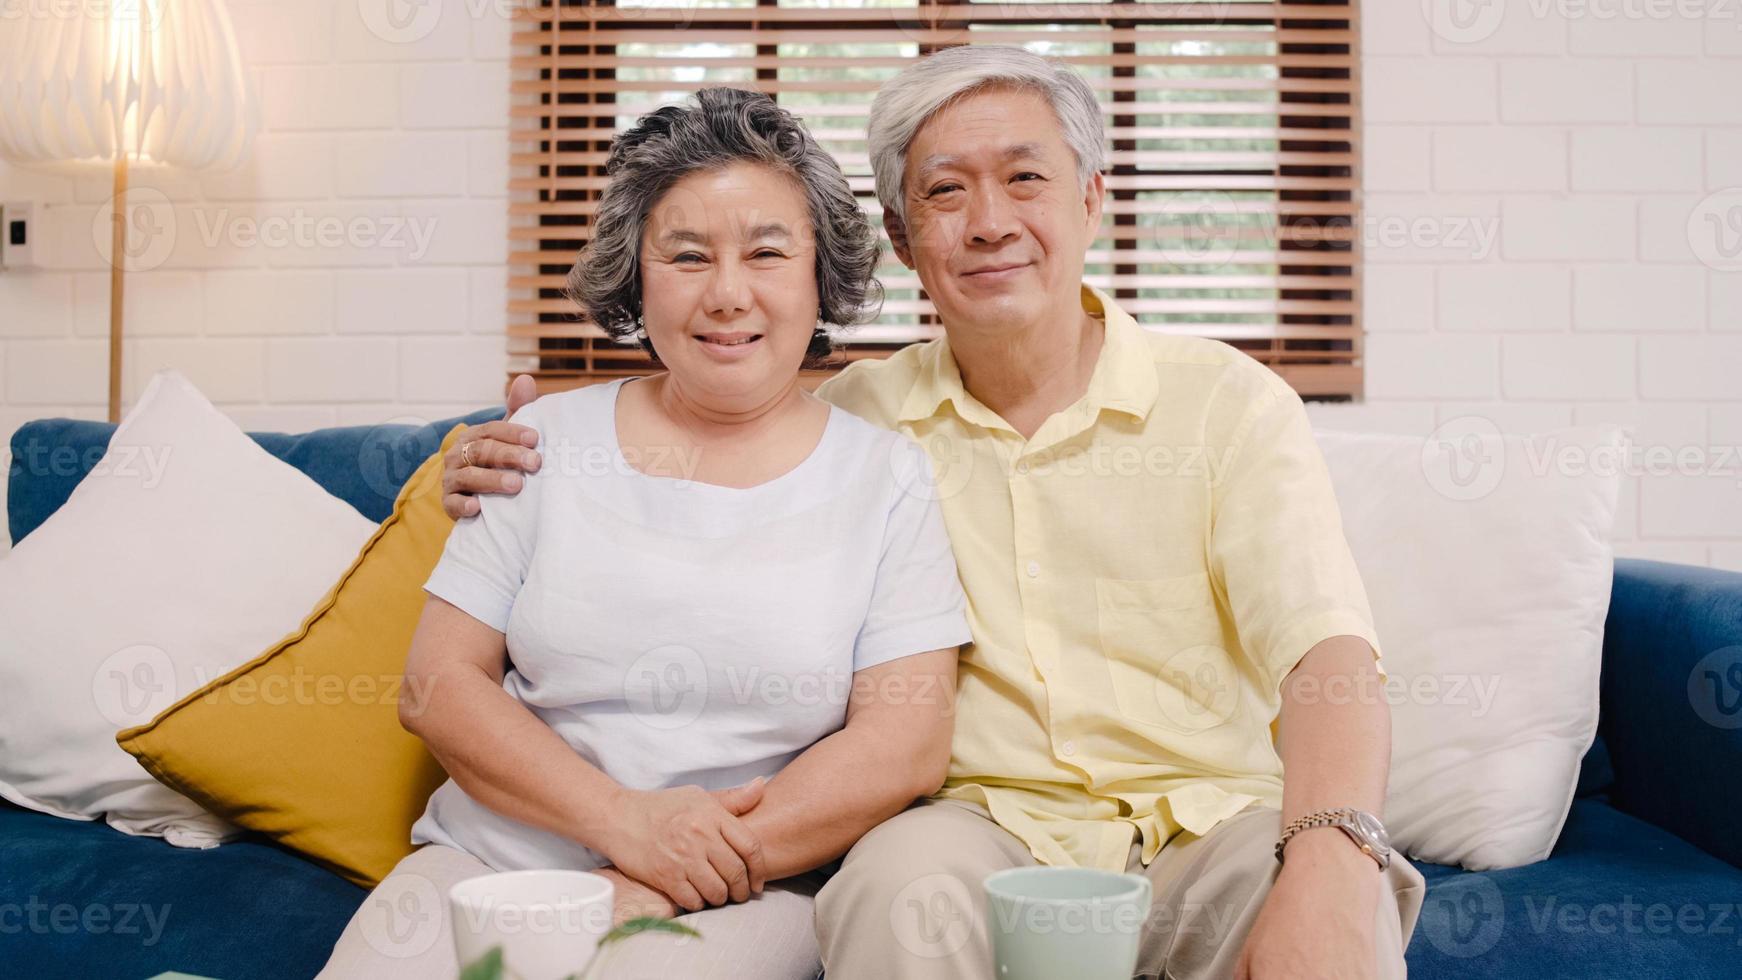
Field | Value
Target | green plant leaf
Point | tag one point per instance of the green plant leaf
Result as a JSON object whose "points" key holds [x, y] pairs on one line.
{"points": [[647, 923], [486, 967], [490, 966]]}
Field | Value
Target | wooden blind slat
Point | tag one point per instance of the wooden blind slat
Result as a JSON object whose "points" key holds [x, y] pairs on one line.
{"points": [[1206, 182], [1144, 256], [1193, 305], [681, 16], [1158, 158], [1182, 282], [595, 86], [1166, 237], [629, 109], [526, 337], [1223, 215], [791, 63]]}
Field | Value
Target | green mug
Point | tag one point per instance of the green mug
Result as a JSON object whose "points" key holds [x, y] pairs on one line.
{"points": [[1049, 923]]}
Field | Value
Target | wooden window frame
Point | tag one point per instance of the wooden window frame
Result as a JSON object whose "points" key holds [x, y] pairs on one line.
{"points": [[1276, 225]]}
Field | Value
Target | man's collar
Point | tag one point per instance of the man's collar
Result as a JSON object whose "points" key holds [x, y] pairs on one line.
{"points": [[1123, 380]]}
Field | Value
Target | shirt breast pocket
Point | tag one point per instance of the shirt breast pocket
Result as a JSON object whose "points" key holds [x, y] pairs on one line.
{"points": [[1166, 655]]}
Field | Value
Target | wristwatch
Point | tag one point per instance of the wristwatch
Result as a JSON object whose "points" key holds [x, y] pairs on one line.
{"points": [[1362, 827]]}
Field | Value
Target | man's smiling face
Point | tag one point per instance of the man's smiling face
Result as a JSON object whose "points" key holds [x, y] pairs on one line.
{"points": [[997, 220]]}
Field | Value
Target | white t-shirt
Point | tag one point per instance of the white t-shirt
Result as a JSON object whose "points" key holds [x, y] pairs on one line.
{"points": [[675, 632]]}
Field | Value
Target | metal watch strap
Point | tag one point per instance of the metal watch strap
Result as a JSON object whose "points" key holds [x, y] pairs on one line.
{"points": [[1322, 818]]}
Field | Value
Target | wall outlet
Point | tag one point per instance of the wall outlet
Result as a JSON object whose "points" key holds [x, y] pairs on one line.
{"points": [[18, 234]]}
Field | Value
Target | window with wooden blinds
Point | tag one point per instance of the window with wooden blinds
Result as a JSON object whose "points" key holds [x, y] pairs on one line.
{"points": [[1232, 204]]}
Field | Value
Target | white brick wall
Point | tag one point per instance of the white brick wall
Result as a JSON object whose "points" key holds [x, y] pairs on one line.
{"points": [[1493, 298], [350, 271], [1558, 90], [1559, 158], [1595, 133]]}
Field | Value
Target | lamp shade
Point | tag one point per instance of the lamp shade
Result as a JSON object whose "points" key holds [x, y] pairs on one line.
{"points": [[150, 81]]}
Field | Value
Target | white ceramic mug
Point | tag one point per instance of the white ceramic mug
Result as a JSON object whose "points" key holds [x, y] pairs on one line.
{"points": [[1048, 923], [548, 923]]}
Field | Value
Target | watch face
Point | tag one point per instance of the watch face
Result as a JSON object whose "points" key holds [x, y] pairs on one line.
{"points": [[1372, 829]]}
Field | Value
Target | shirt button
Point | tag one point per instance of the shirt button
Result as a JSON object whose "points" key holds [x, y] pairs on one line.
{"points": [[1022, 469], [1034, 569], [1070, 747]]}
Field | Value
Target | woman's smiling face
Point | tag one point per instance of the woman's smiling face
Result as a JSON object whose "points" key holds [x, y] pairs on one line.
{"points": [[728, 283]]}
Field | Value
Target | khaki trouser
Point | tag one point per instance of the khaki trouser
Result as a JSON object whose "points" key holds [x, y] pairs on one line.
{"points": [[402, 931], [907, 902]]}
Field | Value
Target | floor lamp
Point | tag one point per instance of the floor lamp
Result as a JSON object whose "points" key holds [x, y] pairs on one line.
{"points": [[154, 83]]}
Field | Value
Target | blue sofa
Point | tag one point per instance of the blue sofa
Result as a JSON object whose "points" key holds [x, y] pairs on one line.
{"points": [[1646, 880]]}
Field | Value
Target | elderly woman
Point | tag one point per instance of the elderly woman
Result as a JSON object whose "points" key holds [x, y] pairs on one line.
{"points": [[713, 640]]}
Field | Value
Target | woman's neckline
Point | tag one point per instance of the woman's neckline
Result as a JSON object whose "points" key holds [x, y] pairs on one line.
{"points": [[811, 459]]}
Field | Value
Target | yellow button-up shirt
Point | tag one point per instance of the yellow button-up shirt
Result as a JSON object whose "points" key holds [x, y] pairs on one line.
{"points": [[1141, 575]]}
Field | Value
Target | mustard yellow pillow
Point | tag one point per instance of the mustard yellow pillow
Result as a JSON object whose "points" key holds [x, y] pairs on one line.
{"points": [[303, 743]]}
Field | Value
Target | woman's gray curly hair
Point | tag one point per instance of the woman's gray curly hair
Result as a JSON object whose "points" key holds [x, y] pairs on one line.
{"points": [[724, 126]]}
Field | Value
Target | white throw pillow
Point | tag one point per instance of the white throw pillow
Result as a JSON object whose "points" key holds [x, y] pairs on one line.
{"points": [[185, 552], [1488, 565]]}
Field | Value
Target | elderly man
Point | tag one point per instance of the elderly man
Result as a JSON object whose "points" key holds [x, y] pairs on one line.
{"points": [[1155, 572]]}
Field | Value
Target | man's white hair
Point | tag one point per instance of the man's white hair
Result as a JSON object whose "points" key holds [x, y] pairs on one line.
{"points": [[920, 92]]}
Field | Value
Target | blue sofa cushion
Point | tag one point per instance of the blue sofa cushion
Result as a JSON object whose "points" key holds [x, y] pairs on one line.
{"points": [[1671, 716], [80, 900], [1618, 898], [364, 465], [1596, 773]]}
